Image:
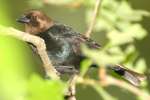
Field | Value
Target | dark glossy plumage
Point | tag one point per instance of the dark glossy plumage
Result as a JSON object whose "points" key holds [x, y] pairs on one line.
{"points": [[63, 45]]}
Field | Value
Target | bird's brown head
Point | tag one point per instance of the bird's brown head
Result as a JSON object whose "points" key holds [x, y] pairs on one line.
{"points": [[35, 21]]}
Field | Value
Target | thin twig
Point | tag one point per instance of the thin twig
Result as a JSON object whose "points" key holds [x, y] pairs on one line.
{"points": [[102, 75], [129, 87], [93, 20], [112, 81], [40, 44]]}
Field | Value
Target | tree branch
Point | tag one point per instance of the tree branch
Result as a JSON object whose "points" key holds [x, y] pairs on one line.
{"points": [[40, 44], [93, 20], [129, 87], [112, 81]]}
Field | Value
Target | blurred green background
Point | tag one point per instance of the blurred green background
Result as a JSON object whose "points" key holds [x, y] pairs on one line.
{"points": [[16, 58]]}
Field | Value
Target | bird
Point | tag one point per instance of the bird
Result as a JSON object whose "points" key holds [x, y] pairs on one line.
{"points": [[63, 45]]}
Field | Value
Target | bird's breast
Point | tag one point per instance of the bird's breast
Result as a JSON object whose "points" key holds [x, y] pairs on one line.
{"points": [[61, 54]]}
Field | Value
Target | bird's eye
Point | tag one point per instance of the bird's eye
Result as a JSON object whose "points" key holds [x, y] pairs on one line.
{"points": [[29, 17]]}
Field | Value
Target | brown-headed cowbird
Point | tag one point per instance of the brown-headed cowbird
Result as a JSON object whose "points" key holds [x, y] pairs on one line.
{"points": [[63, 44]]}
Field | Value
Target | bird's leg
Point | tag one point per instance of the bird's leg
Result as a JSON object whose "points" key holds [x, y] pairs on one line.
{"points": [[71, 91]]}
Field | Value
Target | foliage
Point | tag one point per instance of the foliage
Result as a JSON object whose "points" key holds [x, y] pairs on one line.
{"points": [[40, 89], [17, 79], [120, 22]]}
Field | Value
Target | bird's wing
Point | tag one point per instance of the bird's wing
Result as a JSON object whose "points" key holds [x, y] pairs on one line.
{"points": [[74, 38], [79, 39]]}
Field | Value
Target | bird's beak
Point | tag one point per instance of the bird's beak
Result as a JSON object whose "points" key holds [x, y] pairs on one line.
{"points": [[23, 19]]}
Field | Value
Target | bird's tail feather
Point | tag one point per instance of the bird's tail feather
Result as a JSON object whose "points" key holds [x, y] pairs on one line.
{"points": [[131, 76]]}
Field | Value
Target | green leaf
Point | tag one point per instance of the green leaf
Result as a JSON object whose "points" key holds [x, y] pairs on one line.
{"points": [[130, 54], [40, 89], [85, 66], [140, 65], [136, 31], [115, 50], [14, 67], [102, 58], [117, 38]]}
